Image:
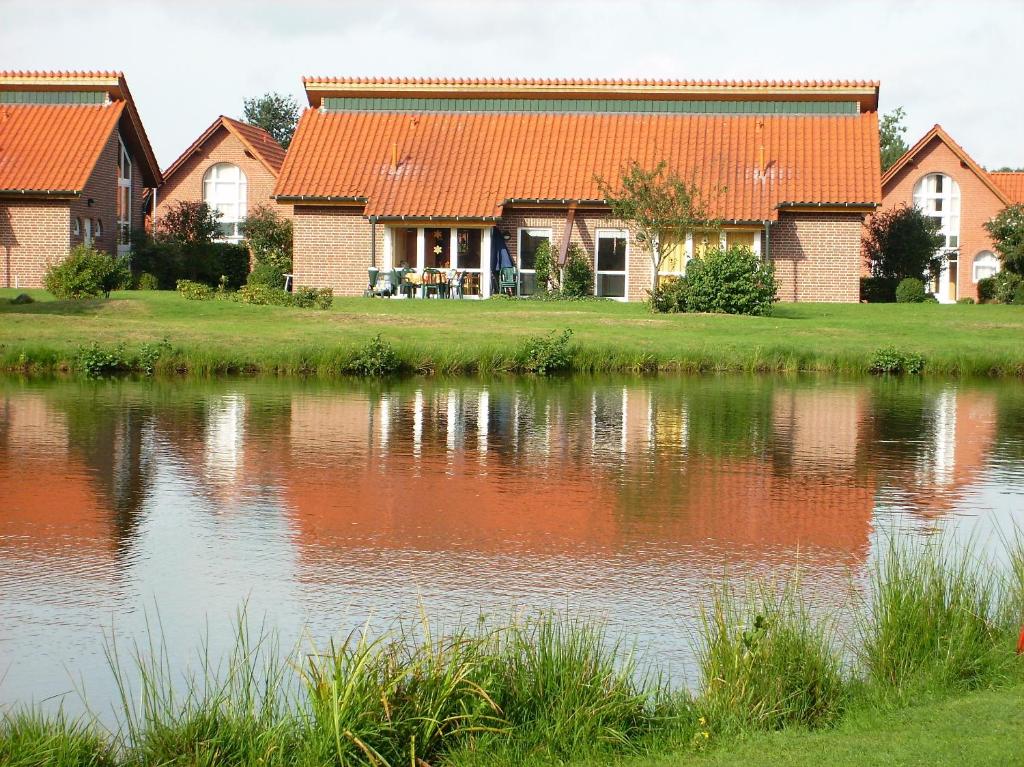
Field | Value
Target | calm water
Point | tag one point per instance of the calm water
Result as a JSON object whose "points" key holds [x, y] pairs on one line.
{"points": [[321, 506]]}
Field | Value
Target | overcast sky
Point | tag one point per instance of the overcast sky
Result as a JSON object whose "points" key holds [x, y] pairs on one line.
{"points": [[955, 63]]}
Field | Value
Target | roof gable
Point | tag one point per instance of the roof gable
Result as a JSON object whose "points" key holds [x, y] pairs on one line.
{"points": [[471, 164], [258, 142], [113, 84], [939, 134]]}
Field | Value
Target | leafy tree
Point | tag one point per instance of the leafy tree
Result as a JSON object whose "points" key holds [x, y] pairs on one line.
{"points": [[891, 131], [276, 113], [188, 221], [656, 204], [1007, 230], [1008, 169], [269, 237], [903, 242]]}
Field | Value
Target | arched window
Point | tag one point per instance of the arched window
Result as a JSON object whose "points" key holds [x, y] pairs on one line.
{"points": [[224, 190], [97, 227], [985, 265], [76, 226], [938, 196]]}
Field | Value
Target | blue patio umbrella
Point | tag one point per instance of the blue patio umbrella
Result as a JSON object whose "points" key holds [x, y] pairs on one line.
{"points": [[500, 257]]}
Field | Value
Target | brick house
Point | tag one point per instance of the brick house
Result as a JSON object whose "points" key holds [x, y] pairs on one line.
{"points": [[233, 167], [75, 164], [937, 175], [422, 172]]}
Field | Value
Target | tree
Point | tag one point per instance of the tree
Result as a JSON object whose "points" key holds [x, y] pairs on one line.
{"points": [[1007, 230], [188, 221], [276, 113], [268, 235], [890, 132], [657, 205], [903, 242]]}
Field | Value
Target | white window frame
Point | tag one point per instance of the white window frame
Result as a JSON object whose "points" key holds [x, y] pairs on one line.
{"points": [[600, 234], [240, 201], [76, 226], [974, 265], [87, 232], [453, 248], [97, 227], [949, 216], [124, 181], [533, 231]]}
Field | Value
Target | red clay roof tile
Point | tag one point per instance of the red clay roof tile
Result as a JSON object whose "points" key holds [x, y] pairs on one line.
{"points": [[53, 148], [255, 139], [469, 165], [1012, 184]]}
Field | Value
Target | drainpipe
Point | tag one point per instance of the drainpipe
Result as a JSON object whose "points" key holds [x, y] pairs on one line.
{"points": [[152, 223], [767, 241], [373, 240]]}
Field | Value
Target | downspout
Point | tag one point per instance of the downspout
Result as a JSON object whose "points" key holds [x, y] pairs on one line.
{"points": [[767, 241], [152, 224]]}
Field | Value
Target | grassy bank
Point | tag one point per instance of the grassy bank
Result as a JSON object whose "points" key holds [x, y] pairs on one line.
{"points": [[219, 337], [935, 626]]}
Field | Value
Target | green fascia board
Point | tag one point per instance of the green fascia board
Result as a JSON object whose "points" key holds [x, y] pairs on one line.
{"points": [[585, 106]]}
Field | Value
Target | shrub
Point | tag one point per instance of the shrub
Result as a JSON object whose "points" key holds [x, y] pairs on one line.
{"points": [[986, 289], [1018, 295], [147, 281], [312, 298], [231, 261], [375, 358], [766, 663], [22, 298], [269, 238], [86, 273], [263, 295], [895, 361], [965, 300], [188, 221], [545, 269], [1006, 284], [732, 281], [267, 275], [1007, 230], [545, 354], [97, 362], [669, 297], [577, 274], [149, 354], [910, 291], [194, 291], [902, 242], [878, 290]]}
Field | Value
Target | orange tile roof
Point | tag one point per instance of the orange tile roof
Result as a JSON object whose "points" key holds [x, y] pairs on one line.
{"points": [[116, 88], [1012, 184], [53, 148], [260, 143], [939, 133], [603, 83], [470, 164]]}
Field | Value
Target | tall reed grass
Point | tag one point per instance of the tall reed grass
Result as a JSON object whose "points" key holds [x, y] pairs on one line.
{"points": [[552, 687]]}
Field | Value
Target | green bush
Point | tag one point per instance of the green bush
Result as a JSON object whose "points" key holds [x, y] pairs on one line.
{"points": [[1006, 284], [545, 354], [732, 281], [965, 300], [545, 269], [231, 261], [313, 298], [194, 291], [268, 275], [376, 358], [97, 362], [22, 298], [147, 281], [269, 237], [894, 361], [86, 273], [263, 295], [986, 289], [577, 274], [669, 297], [910, 291], [170, 260], [1018, 295], [878, 290]]}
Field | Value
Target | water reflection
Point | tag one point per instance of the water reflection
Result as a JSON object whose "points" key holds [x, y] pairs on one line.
{"points": [[323, 504]]}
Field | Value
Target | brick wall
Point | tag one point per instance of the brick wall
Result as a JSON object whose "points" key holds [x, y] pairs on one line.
{"points": [[817, 256], [101, 188], [186, 184], [332, 248], [977, 204], [33, 235]]}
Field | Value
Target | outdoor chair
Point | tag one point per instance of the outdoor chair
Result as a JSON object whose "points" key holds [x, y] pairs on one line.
{"points": [[508, 280], [433, 282], [456, 283], [371, 281]]}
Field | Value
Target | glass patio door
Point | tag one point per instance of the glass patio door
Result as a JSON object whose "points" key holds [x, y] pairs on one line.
{"points": [[611, 263]]}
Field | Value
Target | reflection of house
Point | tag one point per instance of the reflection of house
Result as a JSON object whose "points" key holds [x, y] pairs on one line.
{"points": [[74, 163], [232, 166], [419, 172], [938, 176]]}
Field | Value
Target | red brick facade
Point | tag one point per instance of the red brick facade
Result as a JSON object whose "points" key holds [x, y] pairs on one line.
{"points": [[817, 256], [33, 235], [186, 182], [978, 203]]}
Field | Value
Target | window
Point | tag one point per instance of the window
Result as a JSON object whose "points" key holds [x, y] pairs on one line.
{"points": [[985, 265], [611, 260], [529, 241], [468, 256], [734, 239], [76, 226], [124, 199], [673, 257], [97, 227], [938, 196], [224, 190]]}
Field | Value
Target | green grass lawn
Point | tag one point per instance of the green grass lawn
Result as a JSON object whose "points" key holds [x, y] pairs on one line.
{"points": [[462, 336]]}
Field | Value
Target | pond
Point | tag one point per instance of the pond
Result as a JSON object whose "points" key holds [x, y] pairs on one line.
{"points": [[317, 506]]}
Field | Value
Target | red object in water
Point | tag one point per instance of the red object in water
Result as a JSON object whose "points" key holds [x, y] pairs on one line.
{"points": [[1020, 642]]}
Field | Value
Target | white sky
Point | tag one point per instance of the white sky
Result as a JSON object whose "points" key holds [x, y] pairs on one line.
{"points": [[955, 63]]}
